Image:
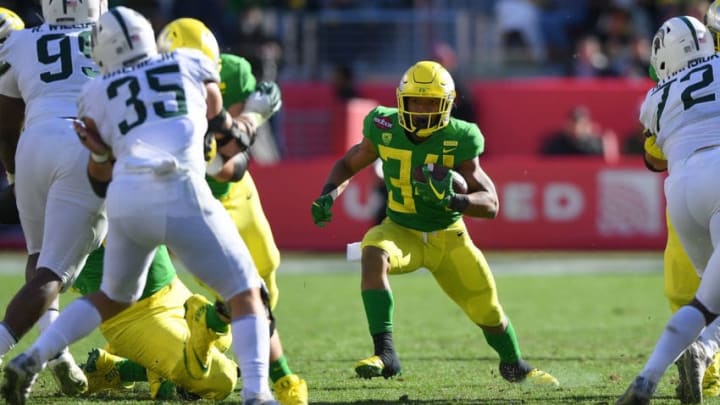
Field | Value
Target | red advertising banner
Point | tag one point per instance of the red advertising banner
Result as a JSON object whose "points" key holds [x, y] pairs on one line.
{"points": [[564, 203]]}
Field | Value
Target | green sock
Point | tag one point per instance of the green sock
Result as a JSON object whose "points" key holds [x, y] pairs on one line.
{"points": [[379, 308], [505, 344], [279, 369], [131, 371], [213, 320]]}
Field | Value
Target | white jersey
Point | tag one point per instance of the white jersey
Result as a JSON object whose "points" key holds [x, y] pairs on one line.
{"points": [[47, 66], [683, 110], [153, 114]]}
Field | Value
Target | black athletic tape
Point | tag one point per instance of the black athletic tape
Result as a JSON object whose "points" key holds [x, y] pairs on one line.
{"points": [[709, 316]]}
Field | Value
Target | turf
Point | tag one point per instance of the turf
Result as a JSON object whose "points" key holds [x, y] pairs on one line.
{"points": [[592, 331]]}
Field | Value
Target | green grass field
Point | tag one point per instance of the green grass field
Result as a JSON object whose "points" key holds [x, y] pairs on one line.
{"points": [[589, 319]]}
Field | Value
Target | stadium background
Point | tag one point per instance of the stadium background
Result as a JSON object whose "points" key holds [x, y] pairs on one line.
{"points": [[520, 66]]}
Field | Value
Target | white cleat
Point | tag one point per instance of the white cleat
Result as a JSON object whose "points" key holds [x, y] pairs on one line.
{"points": [[691, 369], [263, 398], [68, 376], [18, 377]]}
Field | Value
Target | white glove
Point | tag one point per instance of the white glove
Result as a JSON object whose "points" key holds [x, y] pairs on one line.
{"points": [[265, 101]]}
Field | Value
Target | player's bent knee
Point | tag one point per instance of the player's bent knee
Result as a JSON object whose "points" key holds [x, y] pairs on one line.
{"points": [[481, 312]]}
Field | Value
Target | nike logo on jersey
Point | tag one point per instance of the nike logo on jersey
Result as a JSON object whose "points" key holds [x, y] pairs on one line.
{"points": [[449, 149], [204, 368]]}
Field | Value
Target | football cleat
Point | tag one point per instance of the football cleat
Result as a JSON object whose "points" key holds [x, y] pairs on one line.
{"points": [[522, 372], [539, 377], [102, 372], [197, 346], [69, 378], [711, 380], [160, 388], [291, 390], [374, 366], [264, 398], [18, 378], [691, 369], [638, 393]]}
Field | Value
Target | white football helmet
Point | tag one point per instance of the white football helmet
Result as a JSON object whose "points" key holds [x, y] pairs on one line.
{"points": [[122, 37], [678, 41], [9, 22], [69, 12], [712, 21]]}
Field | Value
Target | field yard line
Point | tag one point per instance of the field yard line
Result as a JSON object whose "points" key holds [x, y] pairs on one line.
{"points": [[536, 263], [540, 263]]}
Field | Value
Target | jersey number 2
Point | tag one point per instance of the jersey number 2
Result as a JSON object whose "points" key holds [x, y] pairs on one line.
{"points": [[686, 96]]}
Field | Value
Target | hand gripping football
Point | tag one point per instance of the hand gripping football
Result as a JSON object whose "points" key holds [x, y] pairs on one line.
{"points": [[439, 172]]}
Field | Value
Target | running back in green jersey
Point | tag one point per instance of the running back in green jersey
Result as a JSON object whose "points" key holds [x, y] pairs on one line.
{"points": [[457, 142], [237, 82]]}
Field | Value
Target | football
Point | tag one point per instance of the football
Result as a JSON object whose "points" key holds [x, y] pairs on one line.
{"points": [[439, 172]]}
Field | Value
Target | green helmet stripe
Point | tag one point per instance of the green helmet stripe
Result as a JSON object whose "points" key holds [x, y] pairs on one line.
{"points": [[692, 31], [120, 21]]}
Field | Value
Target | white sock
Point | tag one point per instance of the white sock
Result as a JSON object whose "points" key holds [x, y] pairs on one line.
{"points": [[710, 337], [7, 339], [75, 322], [681, 330], [251, 344], [49, 317]]}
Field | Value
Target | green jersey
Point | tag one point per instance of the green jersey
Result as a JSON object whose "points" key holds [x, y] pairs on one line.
{"points": [[161, 273], [236, 84], [457, 142]]}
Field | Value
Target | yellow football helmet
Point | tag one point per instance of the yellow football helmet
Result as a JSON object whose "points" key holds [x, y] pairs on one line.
{"points": [[189, 33], [425, 79], [9, 21], [712, 21]]}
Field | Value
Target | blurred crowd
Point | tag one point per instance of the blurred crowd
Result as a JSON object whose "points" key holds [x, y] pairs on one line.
{"points": [[582, 38]]}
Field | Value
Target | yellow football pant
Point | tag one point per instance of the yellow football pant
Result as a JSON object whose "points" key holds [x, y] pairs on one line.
{"points": [[152, 333], [457, 265], [681, 281], [243, 204]]}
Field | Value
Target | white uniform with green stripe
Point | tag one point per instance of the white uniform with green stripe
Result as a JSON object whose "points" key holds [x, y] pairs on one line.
{"points": [[46, 67]]}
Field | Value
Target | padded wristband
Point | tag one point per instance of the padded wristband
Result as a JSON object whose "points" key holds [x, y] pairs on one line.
{"points": [[99, 158]]}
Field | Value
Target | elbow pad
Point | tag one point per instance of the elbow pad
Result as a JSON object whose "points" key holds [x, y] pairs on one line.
{"points": [[98, 187], [240, 165], [238, 131]]}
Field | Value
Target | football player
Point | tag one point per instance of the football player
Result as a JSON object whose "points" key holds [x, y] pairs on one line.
{"points": [[41, 72], [681, 123], [155, 335], [144, 122], [424, 225], [239, 198], [680, 279]]}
